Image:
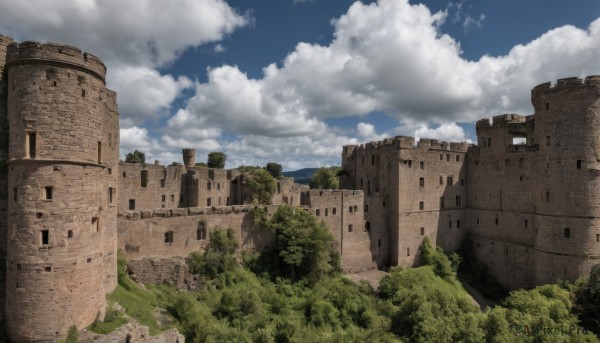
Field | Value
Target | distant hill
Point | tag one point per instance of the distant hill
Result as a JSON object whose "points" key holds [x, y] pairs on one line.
{"points": [[302, 176]]}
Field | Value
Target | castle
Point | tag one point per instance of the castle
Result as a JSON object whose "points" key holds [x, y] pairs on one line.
{"points": [[532, 210]]}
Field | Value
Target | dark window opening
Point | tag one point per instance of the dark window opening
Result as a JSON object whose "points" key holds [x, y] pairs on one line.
{"points": [[83, 93], [38, 215], [547, 196], [441, 180], [89, 260], [99, 152], [477, 221], [578, 164], [124, 174], [407, 251], [441, 202], [326, 212], [162, 183], [421, 182], [48, 193], [132, 204], [109, 171], [441, 157], [30, 145], [567, 232], [201, 231], [169, 237], [597, 237], [422, 231], [422, 165], [163, 198], [368, 226], [379, 243], [208, 201], [333, 210], [547, 106], [54, 83], [47, 268], [15, 194], [497, 221], [110, 195], [355, 208], [462, 182], [447, 157], [421, 205], [317, 212], [349, 227], [450, 180], [450, 224], [489, 142], [458, 201], [173, 198], [458, 223], [372, 160], [506, 252], [384, 203], [208, 186], [457, 158], [45, 237], [526, 223], [70, 234], [521, 178], [19, 266], [547, 140], [144, 179]]}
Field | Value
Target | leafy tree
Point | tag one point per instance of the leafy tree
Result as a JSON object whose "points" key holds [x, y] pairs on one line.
{"points": [[303, 246], [136, 157], [201, 164], [325, 178], [218, 257], [587, 301], [175, 164], [216, 160], [246, 169], [261, 184], [435, 257], [274, 169]]}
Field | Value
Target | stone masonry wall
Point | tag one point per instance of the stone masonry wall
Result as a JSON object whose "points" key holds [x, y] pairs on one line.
{"points": [[64, 143]]}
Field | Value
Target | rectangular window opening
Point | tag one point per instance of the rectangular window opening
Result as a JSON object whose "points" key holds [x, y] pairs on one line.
{"points": [[567, 232], [422, 165], [48, 268], [578, 164], [169, 237], [379, 243], [355, 208], [162, 183], [208, 201], [333, 210], [70, 234], [547, 140], [45, 237], [30, 145], [458, 223], [407, 251], [48, 193], [421, 182], [422, 231], [421, 205], [132, 204], [317, 212], [173, 198], [144, 179], [110, 195], [95, 226], [349, 227], [526, 223], [457, 158], [441, 202], [99, 152]]}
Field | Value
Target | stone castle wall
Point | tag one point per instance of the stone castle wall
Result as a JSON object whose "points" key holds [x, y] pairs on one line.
{"points": [[62, 227]]}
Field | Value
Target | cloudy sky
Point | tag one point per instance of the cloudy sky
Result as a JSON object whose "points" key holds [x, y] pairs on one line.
{"points": [[292, 81]]}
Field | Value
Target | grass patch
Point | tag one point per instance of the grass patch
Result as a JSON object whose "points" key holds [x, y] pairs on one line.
{"points": [[112, 320]]}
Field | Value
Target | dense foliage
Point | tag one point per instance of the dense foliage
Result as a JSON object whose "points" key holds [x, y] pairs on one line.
{"points": [[325, 178], [587, 300], [216, 160], [261, 184], [303, 247], [293, 294], [135, 157], [274, 169]]}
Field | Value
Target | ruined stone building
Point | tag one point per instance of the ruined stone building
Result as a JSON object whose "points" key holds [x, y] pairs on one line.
{"points": [[67, 204]]}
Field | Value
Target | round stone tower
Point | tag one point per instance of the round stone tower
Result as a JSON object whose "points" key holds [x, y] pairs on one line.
{"points": [[567, 186], [189, 157], [62, 181]]}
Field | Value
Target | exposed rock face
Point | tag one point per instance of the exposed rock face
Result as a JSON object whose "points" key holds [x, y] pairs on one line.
{"points": [[133, 333]]}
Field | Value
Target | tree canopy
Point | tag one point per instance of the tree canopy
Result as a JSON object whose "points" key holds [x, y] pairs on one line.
{"points": [[325, 178], [135, 157], [216, 159], [261, 184], [274, 169]]}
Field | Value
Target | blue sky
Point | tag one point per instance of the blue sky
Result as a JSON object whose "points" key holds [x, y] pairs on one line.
{"points": [[292, 81]]}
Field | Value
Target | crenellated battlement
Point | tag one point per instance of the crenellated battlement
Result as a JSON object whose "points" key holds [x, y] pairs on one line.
{"points": [[53, 53], [407, 142]]}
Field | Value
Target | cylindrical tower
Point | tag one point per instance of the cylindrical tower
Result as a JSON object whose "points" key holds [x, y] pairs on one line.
{"points": [[189, 157], [62, 181], [4, 42], [567, 187]]}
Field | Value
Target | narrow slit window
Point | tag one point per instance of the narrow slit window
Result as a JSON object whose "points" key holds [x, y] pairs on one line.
{"points": [[547, 140], [349, 227], [422, 231], [421, 182], [578, 164], [15, 194], [567, 232], [526, 223], [497, 221], [45, 237], [333, 210], [163, 198], [144, 179], [317, 212], [407, 251], [208, 201], [30, 145], [597, 237], [421, 205], [441, 202], [457, 158], [173, 198], [99, 152], [70, 234], [132, 204], [450, 224], [326, 212], [110, 194], [379, 243], [458, 223], [368, 226], [458, 201]]}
